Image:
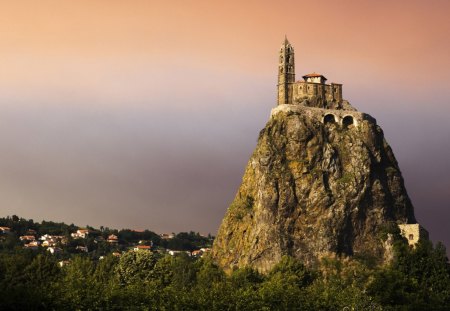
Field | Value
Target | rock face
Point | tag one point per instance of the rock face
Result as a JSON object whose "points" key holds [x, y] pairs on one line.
{"points": [[319, 182]]}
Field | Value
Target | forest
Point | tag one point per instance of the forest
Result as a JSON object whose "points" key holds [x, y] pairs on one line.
{"points": [[417, 279]]}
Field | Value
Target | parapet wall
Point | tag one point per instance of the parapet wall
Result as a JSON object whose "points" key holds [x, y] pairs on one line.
{"points": [[339, 116]]}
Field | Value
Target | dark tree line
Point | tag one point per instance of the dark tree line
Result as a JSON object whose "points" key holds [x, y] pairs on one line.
{"points": [[419, 279]]}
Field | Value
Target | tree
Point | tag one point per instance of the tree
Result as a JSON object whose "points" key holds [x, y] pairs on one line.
{"points": [[136, 266]]}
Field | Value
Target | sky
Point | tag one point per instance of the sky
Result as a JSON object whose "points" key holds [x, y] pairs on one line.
{"points": [[143, 114]]}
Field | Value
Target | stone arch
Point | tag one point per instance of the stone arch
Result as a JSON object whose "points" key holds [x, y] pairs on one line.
{"points": [[348, 121], [329, 118]]}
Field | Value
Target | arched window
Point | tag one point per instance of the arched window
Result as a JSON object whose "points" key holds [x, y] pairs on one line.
{"points": [[348, 121], [411, 236], [329, 118]]}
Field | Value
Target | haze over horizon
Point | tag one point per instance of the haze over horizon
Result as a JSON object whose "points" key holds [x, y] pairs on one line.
{"points": [[144, 114]]}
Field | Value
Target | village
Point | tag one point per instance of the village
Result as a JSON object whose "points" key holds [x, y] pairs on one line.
{"points": [[65, 241]]}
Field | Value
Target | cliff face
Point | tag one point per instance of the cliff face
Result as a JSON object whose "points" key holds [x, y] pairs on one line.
{"points": [[315, 185]]}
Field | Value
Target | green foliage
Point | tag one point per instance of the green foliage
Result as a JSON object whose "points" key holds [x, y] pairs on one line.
{"points": [[136, 266], [418, 279], [346, 179], [187, 241], [390, 228], [127, 235], [242, 206]]}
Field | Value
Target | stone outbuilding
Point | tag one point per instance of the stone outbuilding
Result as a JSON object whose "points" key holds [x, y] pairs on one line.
{"points": [[413, 233]]}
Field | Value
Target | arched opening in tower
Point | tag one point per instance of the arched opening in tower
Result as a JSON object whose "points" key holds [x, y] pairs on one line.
{"points": [[329, 119], [348, 121]]}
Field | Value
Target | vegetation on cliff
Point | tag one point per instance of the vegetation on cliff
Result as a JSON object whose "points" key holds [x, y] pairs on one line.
{"points": [[311, 189]]}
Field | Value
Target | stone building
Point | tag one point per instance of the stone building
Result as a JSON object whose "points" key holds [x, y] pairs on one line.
{"points": [[413, 233], [313, 88], [313, 96]]}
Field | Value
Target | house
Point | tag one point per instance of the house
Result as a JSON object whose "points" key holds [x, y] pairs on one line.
{"points": [[5, 229], [32, 245], [200, 252], [113, 239], [45, 237], [167, 236], [54, 250], [27, 238], [173, 253], [49, 242], [31, 232], [197, 253], [142, 247], [116, 254], [80, 234], [53, 240]]}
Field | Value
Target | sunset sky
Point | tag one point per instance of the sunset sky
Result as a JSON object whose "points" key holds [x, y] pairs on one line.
{"points": [[143, 114]]}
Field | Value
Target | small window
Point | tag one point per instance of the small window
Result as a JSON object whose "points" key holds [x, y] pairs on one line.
{"points": [[411, 236]]}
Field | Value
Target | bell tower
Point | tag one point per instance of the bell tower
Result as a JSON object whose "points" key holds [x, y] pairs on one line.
{"points": [[286, 73]]}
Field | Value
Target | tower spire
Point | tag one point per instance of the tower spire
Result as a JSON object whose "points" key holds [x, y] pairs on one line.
{"points": [[286, 73]]}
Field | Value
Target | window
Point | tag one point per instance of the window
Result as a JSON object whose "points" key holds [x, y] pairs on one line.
{"points": [[411, 236]]}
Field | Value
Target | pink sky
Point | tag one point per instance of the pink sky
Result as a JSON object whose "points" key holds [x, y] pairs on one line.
{"points": [[144, 113]]}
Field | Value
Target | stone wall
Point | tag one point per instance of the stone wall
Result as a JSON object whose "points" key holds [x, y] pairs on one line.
{"points": [[413, 233], [328, 92], [320, 114]]}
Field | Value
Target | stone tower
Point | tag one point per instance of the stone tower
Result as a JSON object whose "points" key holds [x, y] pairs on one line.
{"points": [[286, 73]]}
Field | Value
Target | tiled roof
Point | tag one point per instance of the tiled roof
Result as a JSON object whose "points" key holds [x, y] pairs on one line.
{"points": [[143, 247], [313, 75]]}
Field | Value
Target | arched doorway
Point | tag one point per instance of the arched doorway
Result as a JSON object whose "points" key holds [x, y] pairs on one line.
{"points": [[329, 119], [348, 121]]}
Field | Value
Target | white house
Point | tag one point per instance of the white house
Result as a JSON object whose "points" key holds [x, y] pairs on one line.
{"points": [[113, 239], [80, 234]]}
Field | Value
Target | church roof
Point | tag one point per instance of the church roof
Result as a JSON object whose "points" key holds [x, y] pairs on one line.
{"points": [[314, 75]]}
